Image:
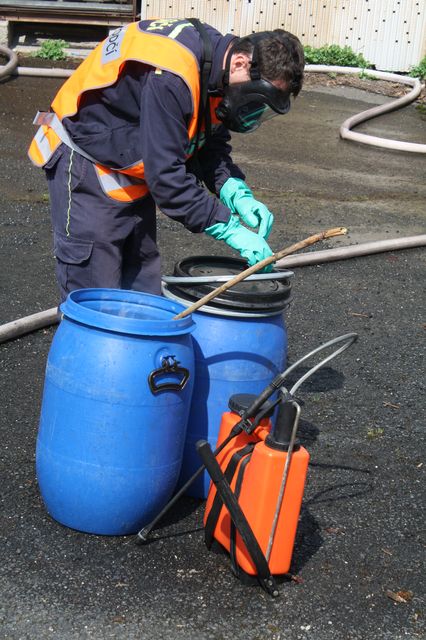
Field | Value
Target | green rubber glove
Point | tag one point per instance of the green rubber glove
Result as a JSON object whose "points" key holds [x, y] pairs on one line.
{"points": [[251, 245], [237, 196]]}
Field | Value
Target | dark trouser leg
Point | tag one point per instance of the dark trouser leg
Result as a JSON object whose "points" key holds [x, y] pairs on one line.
{"points": [[141, 259], [91, 229]]}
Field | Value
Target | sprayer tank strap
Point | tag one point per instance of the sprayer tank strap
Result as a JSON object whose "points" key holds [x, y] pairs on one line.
{"points": [[233, 531], [217, 505], [243, 527]]}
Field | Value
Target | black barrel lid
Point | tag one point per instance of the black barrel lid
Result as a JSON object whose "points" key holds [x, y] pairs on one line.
{"points": [[261, 296]]}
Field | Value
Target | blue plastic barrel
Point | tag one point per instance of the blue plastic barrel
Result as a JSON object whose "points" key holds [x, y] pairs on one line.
{"points": [[115, 407], [240, 345]]}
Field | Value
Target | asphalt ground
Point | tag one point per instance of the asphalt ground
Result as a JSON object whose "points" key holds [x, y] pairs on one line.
{"points": [[358, 565]]}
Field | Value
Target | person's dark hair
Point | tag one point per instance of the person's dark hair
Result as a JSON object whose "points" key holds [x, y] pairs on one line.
{"points": [[280, 57]]}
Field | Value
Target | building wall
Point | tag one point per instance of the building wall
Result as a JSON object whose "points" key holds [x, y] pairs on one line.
{"points": [[391, 34]]}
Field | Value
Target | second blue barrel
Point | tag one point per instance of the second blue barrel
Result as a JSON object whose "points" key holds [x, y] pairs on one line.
{"points": [[240, 343], [116, 400]]}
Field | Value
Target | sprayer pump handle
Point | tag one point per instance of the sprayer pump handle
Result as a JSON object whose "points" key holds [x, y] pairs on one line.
{"points": [[280, 436]]}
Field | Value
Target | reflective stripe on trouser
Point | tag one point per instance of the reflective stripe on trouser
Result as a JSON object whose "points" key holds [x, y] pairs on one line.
{"points": [[99, 242]]}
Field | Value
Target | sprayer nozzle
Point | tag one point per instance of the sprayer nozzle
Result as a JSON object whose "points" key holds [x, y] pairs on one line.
{"points": [[142, 536]]}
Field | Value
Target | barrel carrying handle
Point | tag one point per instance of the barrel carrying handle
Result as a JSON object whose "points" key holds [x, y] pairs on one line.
{"points": [[169, 365]]}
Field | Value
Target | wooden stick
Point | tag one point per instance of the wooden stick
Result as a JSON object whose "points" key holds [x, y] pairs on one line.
{"points": [[323, 235]]}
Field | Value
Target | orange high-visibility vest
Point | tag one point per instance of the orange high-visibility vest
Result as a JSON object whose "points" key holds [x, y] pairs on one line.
{"points": [[101, 69]]}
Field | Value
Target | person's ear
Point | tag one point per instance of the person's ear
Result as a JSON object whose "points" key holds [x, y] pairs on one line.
{"points": [[240, 61], [239, 69]]}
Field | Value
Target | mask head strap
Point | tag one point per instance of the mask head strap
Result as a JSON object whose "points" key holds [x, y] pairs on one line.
{"points": [[254, 64]]}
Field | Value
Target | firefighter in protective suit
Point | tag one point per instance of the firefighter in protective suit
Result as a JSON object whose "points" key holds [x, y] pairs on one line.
{"points": [[144, 121]]}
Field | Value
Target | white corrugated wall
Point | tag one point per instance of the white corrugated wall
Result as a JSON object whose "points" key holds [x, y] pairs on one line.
{"points": [[391, 34], [219, 13]]}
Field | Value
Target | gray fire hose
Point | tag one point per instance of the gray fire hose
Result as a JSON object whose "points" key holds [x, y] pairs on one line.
{"points": [[353, 251], [385, 143], [19, 327], [345, 130], [12, 69], [35, 321]]}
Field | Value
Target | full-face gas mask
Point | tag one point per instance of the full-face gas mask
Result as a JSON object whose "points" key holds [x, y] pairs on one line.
{"points": [[246, 105]]}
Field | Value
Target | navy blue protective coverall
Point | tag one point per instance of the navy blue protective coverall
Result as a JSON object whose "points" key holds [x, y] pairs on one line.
{"points": [[100, 242]]}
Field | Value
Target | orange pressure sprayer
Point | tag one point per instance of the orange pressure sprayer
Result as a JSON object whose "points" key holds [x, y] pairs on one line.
{"points": [[259, 467], [259, 478]]}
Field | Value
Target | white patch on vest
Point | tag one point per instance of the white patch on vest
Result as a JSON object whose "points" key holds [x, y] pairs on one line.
{"points": [[112, 45], [177, 30], [157, 25]]}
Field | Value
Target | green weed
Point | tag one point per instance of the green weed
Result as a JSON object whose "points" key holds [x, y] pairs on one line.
{"points": [[420, 70], [52, 50], [366, 76], [375, 432], [333, 54]]}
